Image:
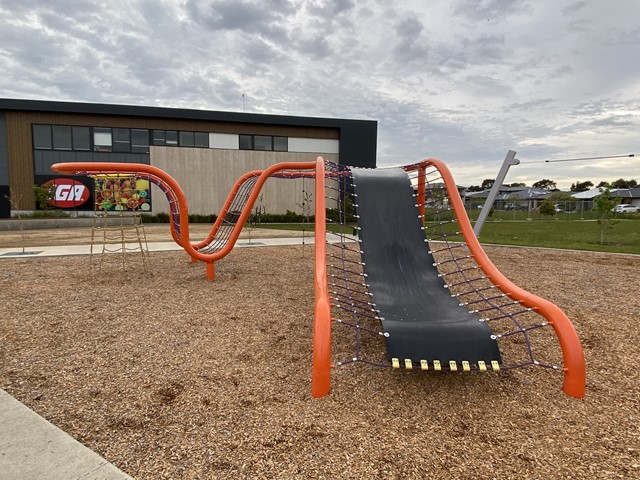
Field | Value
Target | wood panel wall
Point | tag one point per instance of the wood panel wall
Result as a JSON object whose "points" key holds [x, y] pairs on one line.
{"points": [[207, 175]]}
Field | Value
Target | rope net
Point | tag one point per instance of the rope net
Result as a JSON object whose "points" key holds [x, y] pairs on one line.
{"points": [[231, 216], [524, 337]]}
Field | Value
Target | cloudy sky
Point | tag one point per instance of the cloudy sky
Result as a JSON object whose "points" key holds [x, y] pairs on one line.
{"points": [[461, 80]]}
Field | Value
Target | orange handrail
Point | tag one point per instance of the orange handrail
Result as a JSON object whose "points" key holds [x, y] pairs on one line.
{"points": [[573, 356], [321, 370]]}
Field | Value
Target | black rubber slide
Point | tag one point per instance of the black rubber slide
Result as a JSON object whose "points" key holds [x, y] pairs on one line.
{"points": [[422, 319]]}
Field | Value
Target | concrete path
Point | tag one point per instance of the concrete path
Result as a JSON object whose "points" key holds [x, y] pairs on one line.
{"points": [[64, 250], [31, 448]]}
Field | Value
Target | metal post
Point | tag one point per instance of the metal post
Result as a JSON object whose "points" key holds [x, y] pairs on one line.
{"points": [[509, 160]]}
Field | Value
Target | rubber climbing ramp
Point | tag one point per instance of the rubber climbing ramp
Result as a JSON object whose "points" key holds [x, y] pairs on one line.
{"points": [[421, 320]]}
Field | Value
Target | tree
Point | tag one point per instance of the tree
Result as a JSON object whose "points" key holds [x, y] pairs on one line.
{"points": [[622, 183], [487, 183], [603, 206], [581, 186], [475, 188], [547, 207], [518, 184], [603, 184], [545, 184]]}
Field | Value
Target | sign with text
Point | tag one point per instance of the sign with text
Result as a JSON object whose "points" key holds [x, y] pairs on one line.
{"points": [[67, 192]]}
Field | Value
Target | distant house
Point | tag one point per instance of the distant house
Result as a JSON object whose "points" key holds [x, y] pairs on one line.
{"points": [[629, 196], [510, 198]]}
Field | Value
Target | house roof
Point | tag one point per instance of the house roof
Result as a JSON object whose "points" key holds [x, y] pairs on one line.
{"points": [[515, 193], [617, 193], [588, 194]]}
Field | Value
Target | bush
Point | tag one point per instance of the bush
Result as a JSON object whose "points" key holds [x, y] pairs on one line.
{"points": [[157, 218], [547, 207]]}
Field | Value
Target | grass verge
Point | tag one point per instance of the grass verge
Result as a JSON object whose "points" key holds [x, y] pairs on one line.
{"points": [[624, 237]]}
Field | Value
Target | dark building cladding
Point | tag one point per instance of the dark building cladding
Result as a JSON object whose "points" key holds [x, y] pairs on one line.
{"points": [[357, 139]]}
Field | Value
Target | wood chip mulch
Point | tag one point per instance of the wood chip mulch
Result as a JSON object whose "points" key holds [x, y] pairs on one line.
{"points": [[169, 376]]}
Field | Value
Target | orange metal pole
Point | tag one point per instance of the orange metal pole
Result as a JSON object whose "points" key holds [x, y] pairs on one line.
{"points": [[573, 356], [210, 271], [321, 371]]}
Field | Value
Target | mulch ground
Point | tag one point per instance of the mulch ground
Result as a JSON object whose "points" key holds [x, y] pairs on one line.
{"points": [[169, 376]]}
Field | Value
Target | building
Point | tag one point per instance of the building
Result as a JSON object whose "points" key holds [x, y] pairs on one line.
{"points": [[510, 198], [204, 150]]}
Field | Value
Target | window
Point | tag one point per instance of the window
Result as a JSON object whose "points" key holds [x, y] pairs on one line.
{"points": [[202, 139], [42, 137], [61, 137], [187, 139], [158, 137], [246, 142], [121, 140], [81, 138], [139, 140], [262, 142], [102, 139], [171, 137], [281, 144]]}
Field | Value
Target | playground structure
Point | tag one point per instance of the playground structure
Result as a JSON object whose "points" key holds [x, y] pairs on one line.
{"points": [[411, 278]]}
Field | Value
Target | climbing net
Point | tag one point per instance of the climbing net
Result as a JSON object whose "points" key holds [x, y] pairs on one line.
{"points": [[524, 336], [230, 216]]}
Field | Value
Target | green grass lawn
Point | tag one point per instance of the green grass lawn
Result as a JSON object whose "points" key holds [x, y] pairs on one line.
{"points": [[624, 237]]}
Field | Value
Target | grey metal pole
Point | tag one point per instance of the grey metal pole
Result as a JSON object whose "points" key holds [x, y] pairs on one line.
{"points": [[509, 160]]}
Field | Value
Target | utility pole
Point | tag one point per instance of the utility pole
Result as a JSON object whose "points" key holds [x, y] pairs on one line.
{"points": [[509, 160]]}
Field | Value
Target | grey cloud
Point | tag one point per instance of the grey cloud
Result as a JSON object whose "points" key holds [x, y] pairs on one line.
{"points": [[491, 9], [533, 104], [562, 71], [317, 47], [622, 37], [411, 47], [574, 8], [331, 8], [264, 18], [617, 121], [591, 108], [485, 48]]}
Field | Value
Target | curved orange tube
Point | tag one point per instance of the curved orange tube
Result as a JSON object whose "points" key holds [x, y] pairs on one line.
{"points": [[225, 208], [573, 357], [183, 210]]}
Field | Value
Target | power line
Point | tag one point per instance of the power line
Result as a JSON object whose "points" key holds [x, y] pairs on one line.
{"points": [[580, 159]]}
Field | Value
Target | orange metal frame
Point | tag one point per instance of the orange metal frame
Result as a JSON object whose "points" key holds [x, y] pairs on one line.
{"points": [[573, 357], [574, 365], [183, 210]]}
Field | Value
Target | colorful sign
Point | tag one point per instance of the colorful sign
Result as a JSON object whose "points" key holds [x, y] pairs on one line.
{"points": [[67, 193], [122, 193]]}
